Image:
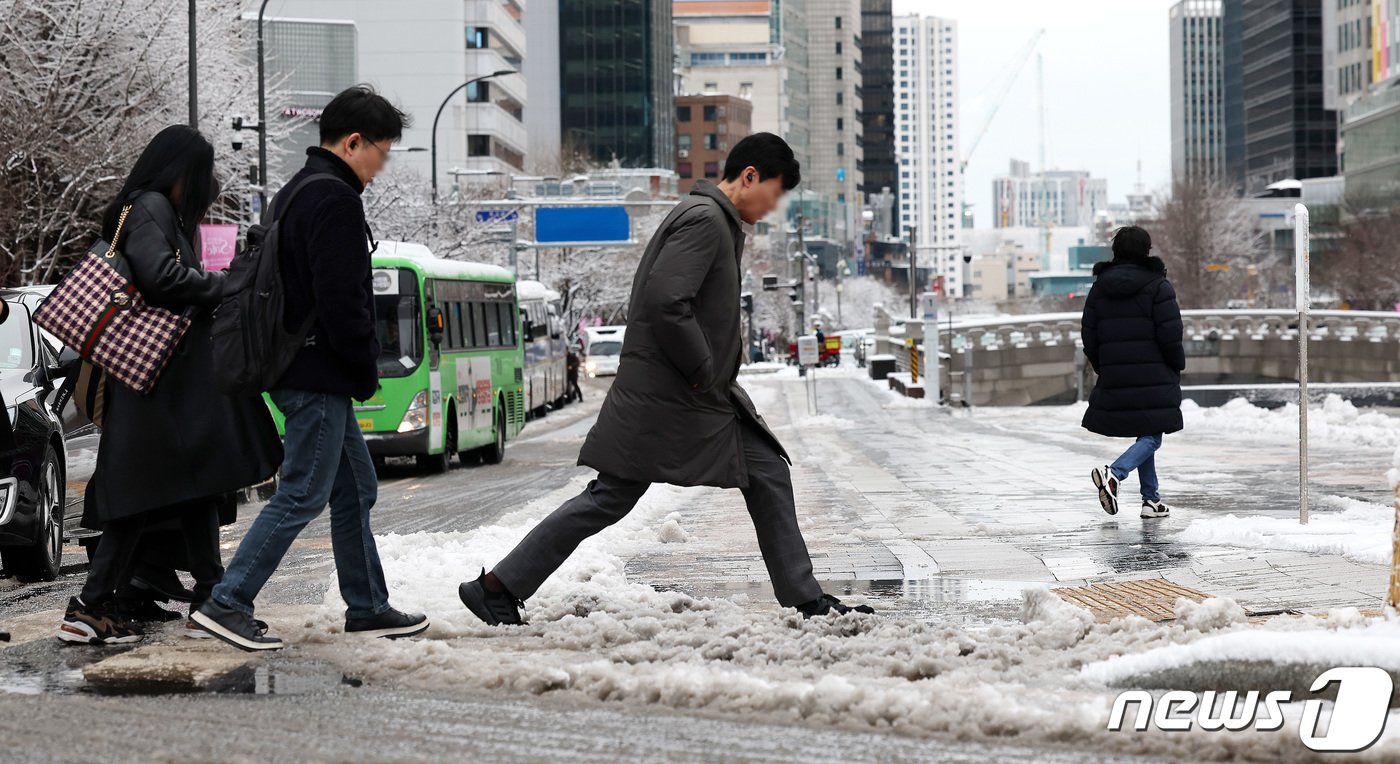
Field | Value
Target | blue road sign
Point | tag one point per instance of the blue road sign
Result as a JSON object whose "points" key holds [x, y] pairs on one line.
{"points": [[562, 225], [497, 216]]}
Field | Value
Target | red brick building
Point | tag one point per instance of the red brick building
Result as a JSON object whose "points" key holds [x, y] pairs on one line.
{"points": [[707, 126]]}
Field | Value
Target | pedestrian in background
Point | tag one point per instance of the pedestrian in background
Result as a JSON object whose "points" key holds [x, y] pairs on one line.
{"points": [[177, 452], [573, 361], [1132, 337]]}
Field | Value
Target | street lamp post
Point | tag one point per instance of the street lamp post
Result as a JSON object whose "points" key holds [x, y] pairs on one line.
{"points": [[262, 113], [438, 116]]}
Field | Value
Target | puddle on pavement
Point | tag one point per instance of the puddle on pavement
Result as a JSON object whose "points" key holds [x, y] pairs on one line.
{"points": [[60, 671]]}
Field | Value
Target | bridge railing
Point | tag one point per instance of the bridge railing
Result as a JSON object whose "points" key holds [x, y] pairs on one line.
{"points": [[1033, 358]]}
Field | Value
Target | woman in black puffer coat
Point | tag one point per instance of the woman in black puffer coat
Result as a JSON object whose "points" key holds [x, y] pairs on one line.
{"points": [[1132, 337]]}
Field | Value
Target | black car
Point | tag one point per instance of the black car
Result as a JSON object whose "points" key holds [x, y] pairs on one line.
{"points": [[44, 471]]}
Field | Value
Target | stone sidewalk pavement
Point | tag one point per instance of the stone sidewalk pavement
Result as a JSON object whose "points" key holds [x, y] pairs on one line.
{"points": [[944, 514]]}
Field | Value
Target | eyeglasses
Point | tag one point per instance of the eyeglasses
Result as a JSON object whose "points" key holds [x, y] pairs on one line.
{"points": [[383, 152]]}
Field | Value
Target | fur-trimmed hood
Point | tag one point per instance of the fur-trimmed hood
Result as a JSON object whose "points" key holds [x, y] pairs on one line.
{"points": [[1124, 278], [1152, 263]]}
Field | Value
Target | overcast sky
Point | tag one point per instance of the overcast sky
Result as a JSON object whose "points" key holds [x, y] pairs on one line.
{"points": [[1106, 76]]}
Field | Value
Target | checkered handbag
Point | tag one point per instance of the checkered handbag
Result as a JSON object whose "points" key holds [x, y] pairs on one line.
{"points": [[97, 311]]}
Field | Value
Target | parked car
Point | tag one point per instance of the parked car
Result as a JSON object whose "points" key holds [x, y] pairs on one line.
{"points": [[42, 479]]}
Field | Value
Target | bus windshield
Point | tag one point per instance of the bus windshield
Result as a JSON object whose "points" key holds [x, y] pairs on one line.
{"points": [[400, 332]]}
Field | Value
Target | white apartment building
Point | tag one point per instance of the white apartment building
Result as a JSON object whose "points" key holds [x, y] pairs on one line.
{"points": [[416, 53], [927, 143]]}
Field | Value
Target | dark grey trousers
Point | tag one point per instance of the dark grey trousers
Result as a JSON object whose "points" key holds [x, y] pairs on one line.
{"points": [[608, 499]]}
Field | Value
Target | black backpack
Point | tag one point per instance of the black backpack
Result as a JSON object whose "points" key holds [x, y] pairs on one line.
{"points": [[251, 346]]}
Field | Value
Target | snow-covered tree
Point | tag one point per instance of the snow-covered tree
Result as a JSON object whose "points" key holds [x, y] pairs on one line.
{"points": [[84, 85]]}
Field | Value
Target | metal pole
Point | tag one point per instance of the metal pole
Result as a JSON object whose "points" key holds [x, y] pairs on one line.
{"points": [[514, 248], [262, 113], [1302, 279], [802, 279], [913, 271], [194, 70]]}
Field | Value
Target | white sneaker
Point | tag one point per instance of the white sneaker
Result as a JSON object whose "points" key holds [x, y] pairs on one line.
{"points": [[1108, 489], [1154, 509]]}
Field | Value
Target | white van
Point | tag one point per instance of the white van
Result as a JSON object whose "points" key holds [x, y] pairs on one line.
{"points": [[604, 350]]}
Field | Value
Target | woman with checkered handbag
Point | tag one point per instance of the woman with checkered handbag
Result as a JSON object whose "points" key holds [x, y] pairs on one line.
{"points": [[175, 452]]}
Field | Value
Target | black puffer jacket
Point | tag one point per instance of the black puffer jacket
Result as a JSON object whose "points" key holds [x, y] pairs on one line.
{"points": [[1132, 337]]}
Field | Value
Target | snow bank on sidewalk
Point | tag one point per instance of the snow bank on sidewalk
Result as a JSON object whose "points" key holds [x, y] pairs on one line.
{"points": [[1354, 529], [1335, 422], [1373, 643], [595, 633]]}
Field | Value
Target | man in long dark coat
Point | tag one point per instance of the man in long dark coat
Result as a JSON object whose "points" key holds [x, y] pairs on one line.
{"points": [[676, 413]]}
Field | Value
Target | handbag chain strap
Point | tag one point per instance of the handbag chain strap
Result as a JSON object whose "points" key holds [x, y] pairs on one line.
{"points": [[112, 248]]}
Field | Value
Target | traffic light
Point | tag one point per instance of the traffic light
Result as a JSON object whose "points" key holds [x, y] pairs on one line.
{"points": [[746, 301]]}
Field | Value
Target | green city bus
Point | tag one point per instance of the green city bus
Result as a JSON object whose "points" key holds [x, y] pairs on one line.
{"points": [[451, 362]]}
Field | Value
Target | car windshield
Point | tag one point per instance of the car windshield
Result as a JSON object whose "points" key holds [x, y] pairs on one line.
{"points": [[16, 344], [605, 347], [400, 334]]}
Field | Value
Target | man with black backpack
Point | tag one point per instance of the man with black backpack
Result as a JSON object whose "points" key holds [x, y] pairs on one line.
{"points": [[322, 253]]}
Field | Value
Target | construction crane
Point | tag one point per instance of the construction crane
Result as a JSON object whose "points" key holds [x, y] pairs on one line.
{"points": [[1010, 80]]}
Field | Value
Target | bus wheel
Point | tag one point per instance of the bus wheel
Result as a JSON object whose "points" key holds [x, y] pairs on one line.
{"points": [[437, 464], [496, 452]]}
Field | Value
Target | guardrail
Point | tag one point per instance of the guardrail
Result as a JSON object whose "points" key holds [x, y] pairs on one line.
{"points": [[993, 342]]}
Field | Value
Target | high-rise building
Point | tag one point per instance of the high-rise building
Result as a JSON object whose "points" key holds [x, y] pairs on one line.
{"points": [[1197, 90], [616, 88], [541, 69], [927, 142], [835, 173], [1362, 63], [1346, 51], [1232, 38], [877, 105], [756, 50], [707, 126], [1288, 131], [416, 53], [1057, 198]]}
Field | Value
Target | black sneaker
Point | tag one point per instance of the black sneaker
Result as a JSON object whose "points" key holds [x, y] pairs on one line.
{"points": [[195, 631], [827, 605], [390, 624], [95, 624], [492, 607], [233, 627], [139, 610]]}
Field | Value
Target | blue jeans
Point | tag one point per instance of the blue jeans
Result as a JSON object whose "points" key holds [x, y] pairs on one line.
{"points": [[326, 461], [1141, 456]]}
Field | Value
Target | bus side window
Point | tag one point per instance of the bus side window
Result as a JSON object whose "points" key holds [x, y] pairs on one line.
{"points": [[455, 327], [478, 325], [493, 324], [507, 313]]}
